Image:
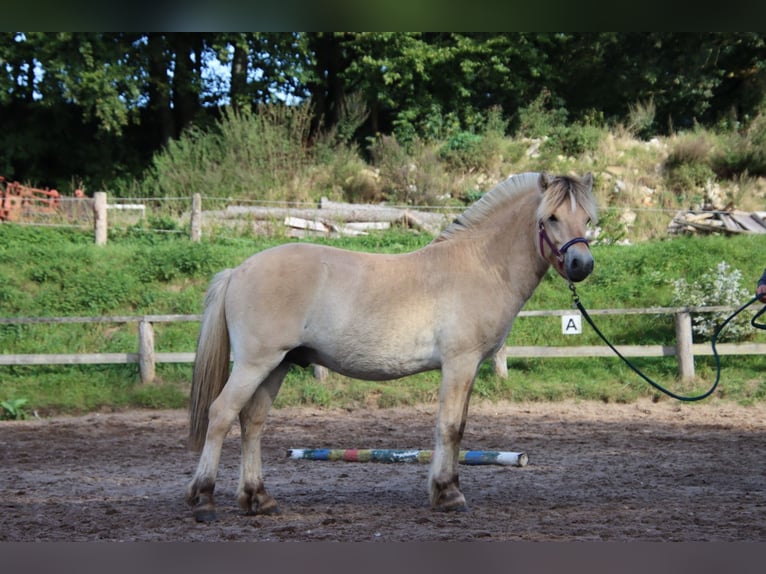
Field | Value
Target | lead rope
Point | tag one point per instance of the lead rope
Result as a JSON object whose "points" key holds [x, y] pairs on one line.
{"points": [[714, 338]]}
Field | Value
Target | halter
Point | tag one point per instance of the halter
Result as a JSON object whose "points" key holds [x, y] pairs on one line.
{"points": [[557, 252]]}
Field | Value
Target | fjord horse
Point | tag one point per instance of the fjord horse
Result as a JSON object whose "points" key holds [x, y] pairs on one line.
{"points": [[449, 305]]}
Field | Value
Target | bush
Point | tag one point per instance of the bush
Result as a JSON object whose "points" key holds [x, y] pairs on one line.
{"points": [[573, 140], [688, 165], [542, 120], [418, 178], [13, 409], [719, 286], [743, 153], [247, 155], [167, 262], [539, 119], [463, 151], [641, 117]]}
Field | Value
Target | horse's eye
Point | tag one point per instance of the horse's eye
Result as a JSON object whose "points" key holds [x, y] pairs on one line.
{"points": [[553, 219]]}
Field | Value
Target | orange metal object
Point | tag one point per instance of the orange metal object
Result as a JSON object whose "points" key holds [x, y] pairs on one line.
{"points": [[17, 199]]}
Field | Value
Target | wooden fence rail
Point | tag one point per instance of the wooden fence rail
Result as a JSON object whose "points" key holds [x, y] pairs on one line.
{"points": [[147, 357]]}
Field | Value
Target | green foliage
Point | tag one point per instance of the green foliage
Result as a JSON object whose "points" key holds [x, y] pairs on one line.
{"points": [[688, 165], [463, 151], [549, 122], [743, 152], [541, 118], [481, 150], [611, 229], [170, 276], [160, 395], [13, 409], [175, 260], [409, 177], [573, 140], [251, 155], [641, 116], [112, 93], [719, 286]]}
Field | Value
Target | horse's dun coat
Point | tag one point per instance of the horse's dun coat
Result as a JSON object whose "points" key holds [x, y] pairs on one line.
{"points": [[448, 306]]}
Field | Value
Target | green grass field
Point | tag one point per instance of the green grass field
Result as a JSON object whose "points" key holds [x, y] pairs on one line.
{"points": [[50, 273]]}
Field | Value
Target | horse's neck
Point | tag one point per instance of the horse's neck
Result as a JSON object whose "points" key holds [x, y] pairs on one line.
{"points": [[513, 249], [504, 248]]}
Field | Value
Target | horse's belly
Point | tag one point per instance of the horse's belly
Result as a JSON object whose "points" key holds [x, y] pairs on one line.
{"points": [[379, 371], [379, 361]]}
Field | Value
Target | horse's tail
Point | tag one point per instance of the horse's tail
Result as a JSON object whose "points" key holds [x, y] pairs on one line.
{"points": [[211, 364]]}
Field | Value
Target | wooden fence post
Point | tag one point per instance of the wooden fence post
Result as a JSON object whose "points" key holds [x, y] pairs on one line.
{"points": [[146, 359], [501, 363], [684, 352], [196, 217], [99, 217]]}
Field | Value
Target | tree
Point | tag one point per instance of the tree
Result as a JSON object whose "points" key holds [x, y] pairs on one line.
{"points": [[121, 96]]}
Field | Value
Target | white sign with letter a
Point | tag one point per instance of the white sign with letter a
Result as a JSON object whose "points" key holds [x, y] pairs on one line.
{"points": [[571, 324]]}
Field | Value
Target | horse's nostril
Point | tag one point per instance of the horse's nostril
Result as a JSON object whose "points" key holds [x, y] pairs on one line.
{"points": [[579, 268]]}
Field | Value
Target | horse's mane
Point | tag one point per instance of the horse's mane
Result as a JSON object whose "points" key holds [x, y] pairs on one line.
{"points": [[559, 189]]}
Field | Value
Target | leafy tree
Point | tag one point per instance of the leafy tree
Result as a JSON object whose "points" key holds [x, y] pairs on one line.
{"points": [[96, 106]]}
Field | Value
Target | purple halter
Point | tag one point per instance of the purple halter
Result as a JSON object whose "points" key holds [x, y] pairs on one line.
{"points": [[558, 252]]}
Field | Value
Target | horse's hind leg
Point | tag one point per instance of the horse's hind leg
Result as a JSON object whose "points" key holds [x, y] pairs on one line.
{"points": [[251, 493], [443, 480], [242, 384]]}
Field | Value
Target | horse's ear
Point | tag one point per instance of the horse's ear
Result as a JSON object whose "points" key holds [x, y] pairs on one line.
{"points": [[587, 179], [544, 180]]}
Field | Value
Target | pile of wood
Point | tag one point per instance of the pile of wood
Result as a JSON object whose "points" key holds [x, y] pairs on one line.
{"points": [[335, 219], [729, 222]]}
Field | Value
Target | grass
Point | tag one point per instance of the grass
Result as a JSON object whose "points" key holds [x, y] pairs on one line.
{"points": [[145, 275]]}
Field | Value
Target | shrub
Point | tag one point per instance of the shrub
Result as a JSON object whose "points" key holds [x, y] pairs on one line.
{"points": [[167, 262], [463, 151], [418, 178], [719, 286], [246, 154], [641, 119], [13, 409], [539, 119], [743, 153], [573, 140], [688, 165]]}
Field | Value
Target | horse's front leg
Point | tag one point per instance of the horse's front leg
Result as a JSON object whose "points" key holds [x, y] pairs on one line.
{"points": [[443, 480], [251, 493]]}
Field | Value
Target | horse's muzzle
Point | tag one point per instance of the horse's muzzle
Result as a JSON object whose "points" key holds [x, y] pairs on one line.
{"points": [[578, 264]]}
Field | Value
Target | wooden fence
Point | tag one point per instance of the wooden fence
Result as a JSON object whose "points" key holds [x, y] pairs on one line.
{"points": [[327, 218], [147, 357]]}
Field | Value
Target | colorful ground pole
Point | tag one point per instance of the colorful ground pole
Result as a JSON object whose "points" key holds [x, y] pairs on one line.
{"points": [[472, 457]]}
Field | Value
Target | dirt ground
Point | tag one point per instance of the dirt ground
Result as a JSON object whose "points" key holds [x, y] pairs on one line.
{"points": [[643, 471]]}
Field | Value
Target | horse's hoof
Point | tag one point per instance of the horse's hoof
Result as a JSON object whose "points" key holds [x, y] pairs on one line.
{"points": [[204, 515], [451, 500], [455, 505], [270, 510], [455, 508]]}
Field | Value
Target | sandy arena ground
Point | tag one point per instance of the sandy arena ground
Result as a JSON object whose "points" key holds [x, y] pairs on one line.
{"points": [[643, 471]]}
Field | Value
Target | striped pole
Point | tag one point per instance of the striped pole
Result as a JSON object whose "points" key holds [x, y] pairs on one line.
{"points": [[470, 457]]}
